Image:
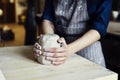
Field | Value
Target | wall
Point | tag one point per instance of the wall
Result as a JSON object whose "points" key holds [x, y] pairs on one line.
{"points": [[19, 9]]}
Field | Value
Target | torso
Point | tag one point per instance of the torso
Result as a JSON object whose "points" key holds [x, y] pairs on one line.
{"points": [[71, 17]]}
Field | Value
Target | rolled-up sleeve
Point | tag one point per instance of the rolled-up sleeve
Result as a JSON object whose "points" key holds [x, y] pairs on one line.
{"points": [[102, 17], [48, 12]]}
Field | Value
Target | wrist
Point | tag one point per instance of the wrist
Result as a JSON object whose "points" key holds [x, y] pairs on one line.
{"points": [[71, 49], [47, 27]]}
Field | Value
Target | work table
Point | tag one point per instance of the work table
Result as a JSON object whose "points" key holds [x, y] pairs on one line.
{"points": [[114, 28], [18, 63]]}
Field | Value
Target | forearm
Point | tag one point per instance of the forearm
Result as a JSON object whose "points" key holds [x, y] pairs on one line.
{"points": [[87, 39], [47, 27]]}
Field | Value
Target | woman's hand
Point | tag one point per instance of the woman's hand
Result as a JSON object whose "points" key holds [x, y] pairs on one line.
{"points": [[37, 50], [57, 56]]}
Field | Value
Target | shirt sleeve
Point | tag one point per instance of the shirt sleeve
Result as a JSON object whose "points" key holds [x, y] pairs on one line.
{"points": [[102, 16], [48, 12]]}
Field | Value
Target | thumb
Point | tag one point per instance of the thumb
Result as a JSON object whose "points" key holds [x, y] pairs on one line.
{"points": [[62, 42]]}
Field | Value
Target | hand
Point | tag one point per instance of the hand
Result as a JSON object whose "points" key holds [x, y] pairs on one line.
{"points": [[57, 55], [37, 50]]}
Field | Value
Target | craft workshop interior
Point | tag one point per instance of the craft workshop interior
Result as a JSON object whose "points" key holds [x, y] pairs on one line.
{"points": [[16, 14]]}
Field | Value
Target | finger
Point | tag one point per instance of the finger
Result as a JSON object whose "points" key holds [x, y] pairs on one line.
{"points": [[38, 37], [58, 63], [56, 59], [37, 46], [59, 40], [55, 55], [36, 55], [64, 44], [55, 50], [36, 51]]}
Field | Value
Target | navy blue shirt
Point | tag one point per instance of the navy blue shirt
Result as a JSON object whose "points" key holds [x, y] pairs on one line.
{"points": [[99, 12]]}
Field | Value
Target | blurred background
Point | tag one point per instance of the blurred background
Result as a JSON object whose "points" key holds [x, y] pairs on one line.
{"points": [[20, 22]]}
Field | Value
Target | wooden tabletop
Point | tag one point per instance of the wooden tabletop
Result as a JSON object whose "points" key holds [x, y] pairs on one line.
{"points": [[18, 63], [114, 28]]}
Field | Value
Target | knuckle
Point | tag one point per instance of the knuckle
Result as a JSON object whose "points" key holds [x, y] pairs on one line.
{"points": [[55, 55], [35, 44], [56, 60], [54, 49], [37, 52]]}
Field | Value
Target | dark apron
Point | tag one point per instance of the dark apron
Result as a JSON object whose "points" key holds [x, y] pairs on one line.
{"points": [[71, 23]]}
